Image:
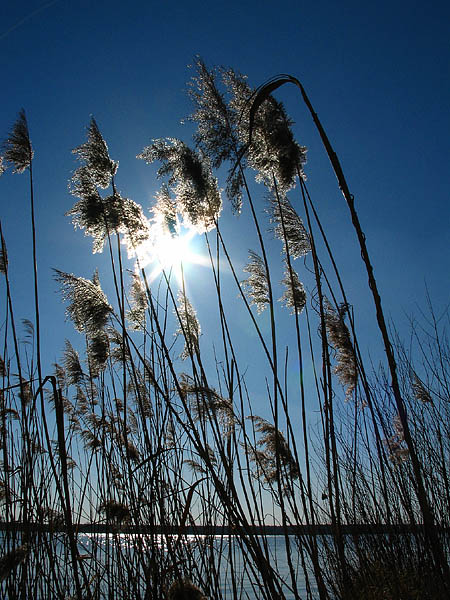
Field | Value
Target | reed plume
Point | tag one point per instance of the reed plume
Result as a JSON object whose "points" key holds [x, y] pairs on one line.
{"points": [[190, 178], [17, 148], [339, 336], [189, 326], [257, 285]]}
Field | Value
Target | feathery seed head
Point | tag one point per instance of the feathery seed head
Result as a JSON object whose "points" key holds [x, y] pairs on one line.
{"points": [[216, 123], [339, 336], [184, 589], [17, 146], [10, 561], [190, 177], [420, 391], [98, 352], [139, 303], [257, 284], [115, 511], [189, 326], [72, 365], [94, 153], [294, 296], [289, 227], [89, 308], [276, 453], [273, 152], [205, 402]]}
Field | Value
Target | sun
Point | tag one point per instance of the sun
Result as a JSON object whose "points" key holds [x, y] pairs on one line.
{"points": [[170, 253]]}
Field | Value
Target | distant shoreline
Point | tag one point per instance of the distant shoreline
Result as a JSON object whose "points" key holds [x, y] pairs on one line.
{"points": [[324, 529]]}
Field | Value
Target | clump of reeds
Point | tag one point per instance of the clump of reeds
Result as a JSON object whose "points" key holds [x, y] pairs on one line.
{"points": [[184, 589], [10, 561], [151, 429]]}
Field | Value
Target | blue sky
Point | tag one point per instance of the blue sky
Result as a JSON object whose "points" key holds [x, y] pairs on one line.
{"points": [[377, 74]]}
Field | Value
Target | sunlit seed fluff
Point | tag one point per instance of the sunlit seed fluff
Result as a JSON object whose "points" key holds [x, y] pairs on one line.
{"points": [[289, 228], [101, 217], [189, 326], [94, 154], [98, 353], [273, 152], [397, 453], [339, 337], [132, 452], [25, 393], [138, 303], [165, 212], [190, 178], [132, 421], [91, 441], [216, 121], [195, 466], [17, 148], [398, 428], [60, 375], [88, 306], [119, 350], [294, 295], [2, 165], [256, 285], [207, 453], [72, 364]]}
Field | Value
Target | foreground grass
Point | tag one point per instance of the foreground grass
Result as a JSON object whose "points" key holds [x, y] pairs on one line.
{"points": [[151, 425]]}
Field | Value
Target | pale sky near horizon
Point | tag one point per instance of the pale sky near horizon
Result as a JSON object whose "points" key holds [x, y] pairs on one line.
{"points": [[377, 74]]}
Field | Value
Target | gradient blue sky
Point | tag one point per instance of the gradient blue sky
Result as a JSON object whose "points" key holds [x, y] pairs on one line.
{"points": [[377, 74]]}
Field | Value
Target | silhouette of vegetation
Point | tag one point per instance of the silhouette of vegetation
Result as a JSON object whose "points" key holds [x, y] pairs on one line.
{"points": [[147, 435]]}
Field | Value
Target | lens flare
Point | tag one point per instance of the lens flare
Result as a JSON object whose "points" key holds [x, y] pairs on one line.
{"points": [[169, 253]]}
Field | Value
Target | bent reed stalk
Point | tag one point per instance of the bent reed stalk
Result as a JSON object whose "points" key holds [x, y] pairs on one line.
{"points": [[156, 465]]}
